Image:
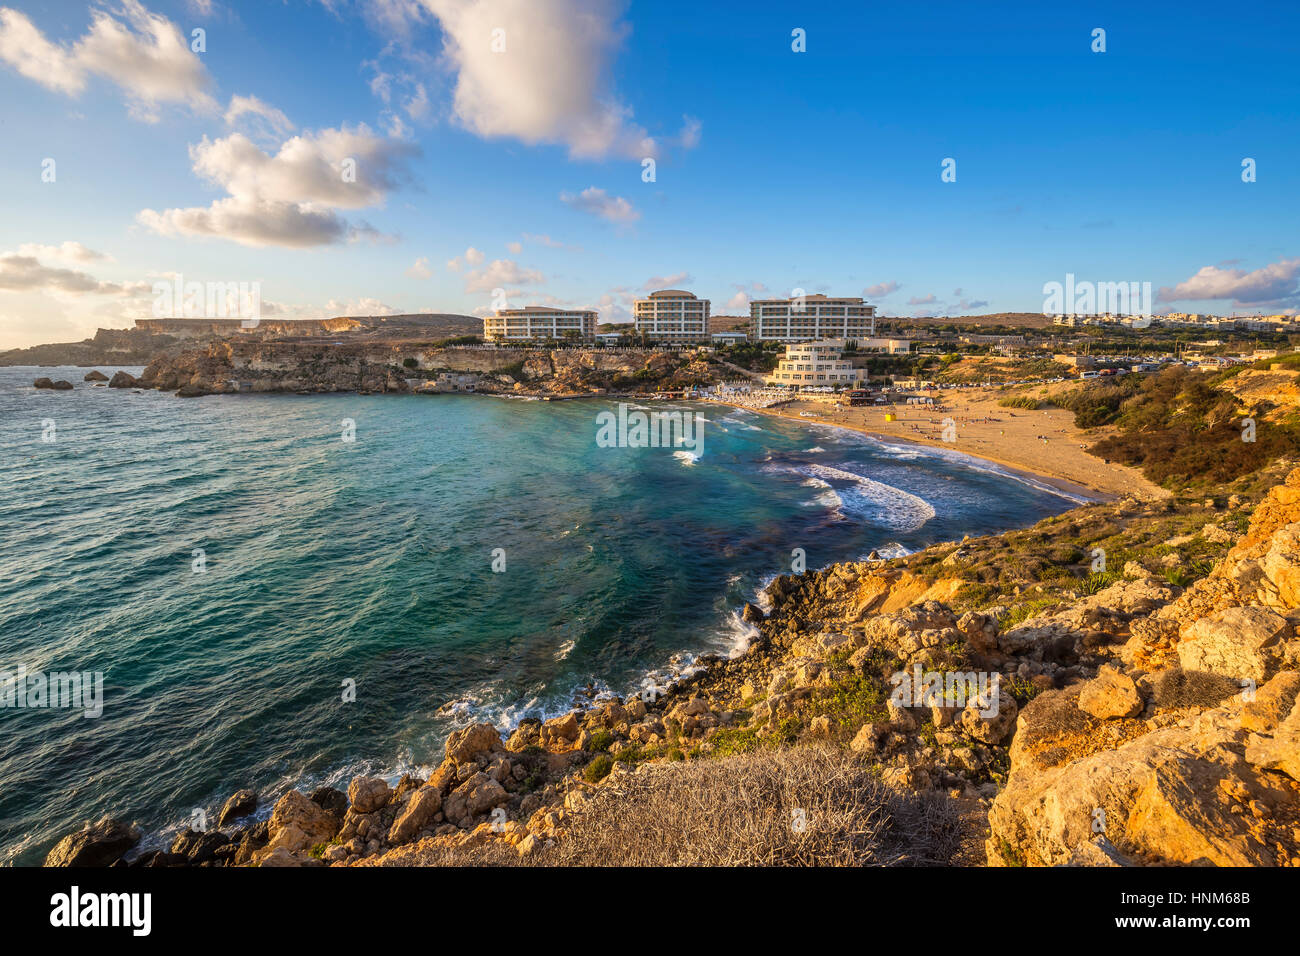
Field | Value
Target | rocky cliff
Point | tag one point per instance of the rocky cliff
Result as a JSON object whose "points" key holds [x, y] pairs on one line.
{"points": [[1147, 715], [228, 366]]}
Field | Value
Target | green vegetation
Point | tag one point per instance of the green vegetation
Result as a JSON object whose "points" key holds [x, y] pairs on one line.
{"points": [[1020, 401], [598, 769], [1180, 430]]}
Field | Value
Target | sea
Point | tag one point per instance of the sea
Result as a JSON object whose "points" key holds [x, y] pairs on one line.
{"points": [[289, 590]]}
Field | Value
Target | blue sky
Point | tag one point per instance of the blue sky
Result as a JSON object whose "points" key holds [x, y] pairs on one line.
{"points": [[521, 168]]}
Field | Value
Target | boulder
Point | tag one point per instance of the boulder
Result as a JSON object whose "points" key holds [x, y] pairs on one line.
{"points": [[123, 380], [95, 376], [1234, 642], [368, 794], [296, 823], [199, 847], [43, 383], [1281, 751], [97, 844], [560, 731], [330, 799], [1272, 704], [465, 745], [752, 614], [1110, 694], [240, 804], [419, 812], [990, 724], [479, 794]]}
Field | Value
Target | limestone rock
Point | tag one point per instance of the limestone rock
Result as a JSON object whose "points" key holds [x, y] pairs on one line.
{"points": [[368, 794], [420, 810], [240, 804], [97, 844], [1110, 694], [1234, 642]]}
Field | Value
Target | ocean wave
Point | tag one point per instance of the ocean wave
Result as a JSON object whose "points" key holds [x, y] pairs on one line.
{"points": [[875, 501], [686, 457]]}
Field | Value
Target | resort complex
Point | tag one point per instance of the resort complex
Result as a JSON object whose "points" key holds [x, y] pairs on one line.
{"points": [[808, 318], [536, 323], [816, 364], [672, 316]]}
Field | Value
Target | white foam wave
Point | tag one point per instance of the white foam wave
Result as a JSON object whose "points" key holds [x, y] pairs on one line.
{"points": [[875, 501]]}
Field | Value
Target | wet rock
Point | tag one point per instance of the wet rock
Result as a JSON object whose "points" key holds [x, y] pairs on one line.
{"points": [[97, 844], [240, 804]]}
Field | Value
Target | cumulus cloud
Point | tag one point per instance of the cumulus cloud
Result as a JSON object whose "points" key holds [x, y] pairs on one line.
{"points": [[666, 282], [261, 119], [143, 53], [20, 272], [881, 289], [922, 299], [1278, 283], [599, 203], [288, 199], [544, 78], [739, 303], [500, 273], [65, 252], [420, 269], [472, 257]]}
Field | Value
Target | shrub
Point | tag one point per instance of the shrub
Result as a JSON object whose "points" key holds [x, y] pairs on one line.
{"points": [[598, 769]]}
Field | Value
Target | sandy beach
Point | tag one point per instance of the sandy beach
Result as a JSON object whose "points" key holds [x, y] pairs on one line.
{"points": [[1043, 443]]}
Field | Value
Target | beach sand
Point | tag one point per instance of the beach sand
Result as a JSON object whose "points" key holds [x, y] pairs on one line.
{"points": [[1043, 443]]}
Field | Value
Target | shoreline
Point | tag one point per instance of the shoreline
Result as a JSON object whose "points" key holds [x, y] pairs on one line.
{"points": [[1093, 492]]}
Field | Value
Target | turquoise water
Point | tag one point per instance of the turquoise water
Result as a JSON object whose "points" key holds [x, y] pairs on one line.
{"points": [[372, 561]]}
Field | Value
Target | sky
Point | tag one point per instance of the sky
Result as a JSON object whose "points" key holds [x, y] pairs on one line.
{"points": [[387, 156]]}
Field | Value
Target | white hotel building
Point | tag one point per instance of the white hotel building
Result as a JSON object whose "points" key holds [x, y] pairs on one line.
{"points": [[811, 318], [672, 316], [536, 323], [816, 365]]}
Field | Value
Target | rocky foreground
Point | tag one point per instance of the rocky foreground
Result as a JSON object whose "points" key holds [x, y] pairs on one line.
{"points": [[1150, 721]]}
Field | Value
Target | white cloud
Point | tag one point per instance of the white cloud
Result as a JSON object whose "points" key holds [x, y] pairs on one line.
{"points": [[1278, 282], [550, 84], [500, 273], [288, 199], [881, 289], [420, 269], [922, 299], [599, 203], [261, 118], [472, 257], [65, 252], [689, 137], [21, 272], [514, 248], [143, 53], [362, 306], [666, 282]]}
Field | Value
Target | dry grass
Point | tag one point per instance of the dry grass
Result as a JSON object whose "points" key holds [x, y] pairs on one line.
{"points": [[740, 811]]}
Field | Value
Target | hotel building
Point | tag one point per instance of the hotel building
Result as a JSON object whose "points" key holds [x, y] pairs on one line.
{"points": [[816, 365], [537, 323], [811, 318], [672, 316]]}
